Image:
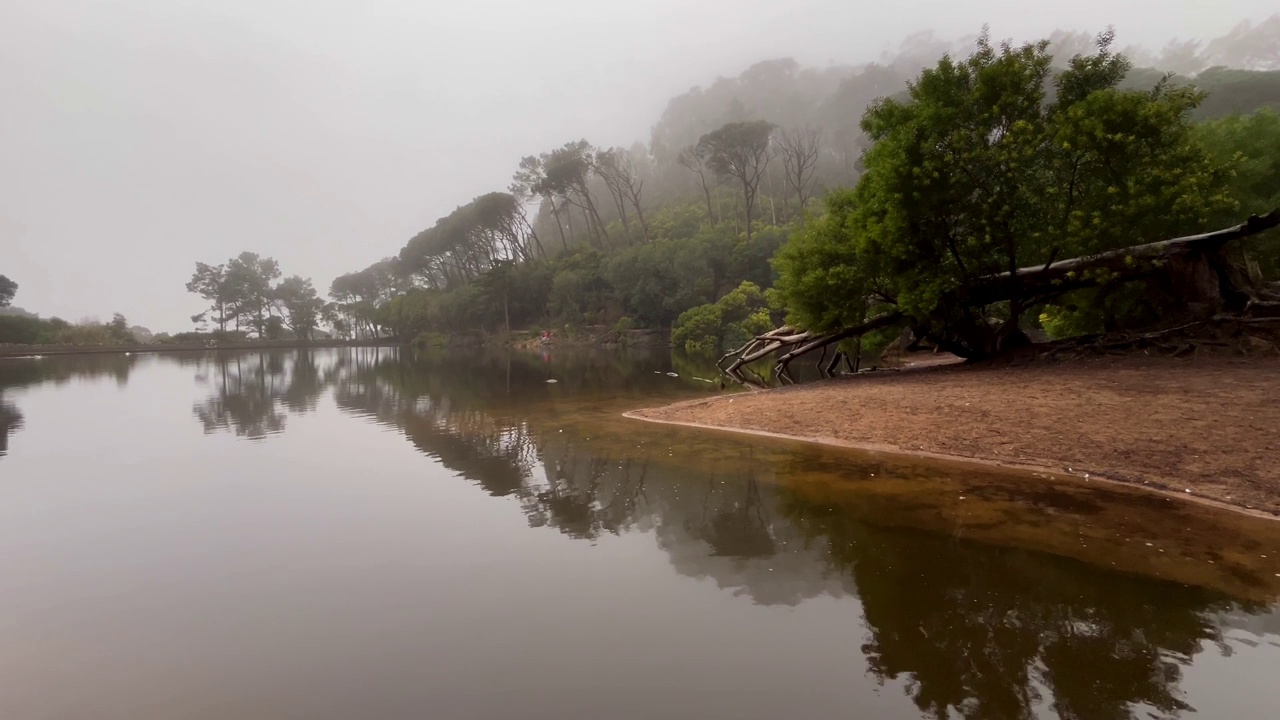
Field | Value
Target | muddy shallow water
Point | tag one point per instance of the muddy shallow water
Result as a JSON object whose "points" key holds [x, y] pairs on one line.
{"points": [[366, 533]]}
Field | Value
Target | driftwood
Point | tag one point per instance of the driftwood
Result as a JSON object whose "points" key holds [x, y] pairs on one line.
{"points": [[1196, 267], [794, 344]]}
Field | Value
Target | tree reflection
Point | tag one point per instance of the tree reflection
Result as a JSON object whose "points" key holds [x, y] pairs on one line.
{"points": [[252, 392], [970, 630], [10, 423], [61, 369], [740, 530], [980, 631], [58, 370]]}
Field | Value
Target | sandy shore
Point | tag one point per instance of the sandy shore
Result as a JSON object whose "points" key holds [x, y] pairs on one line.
{"points": [[1210, 426]]}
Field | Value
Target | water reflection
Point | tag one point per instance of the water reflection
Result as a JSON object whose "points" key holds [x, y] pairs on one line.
{"points": [[19, 373], [994, 632], [975, 630], [253, 394], [1023, 601], [10, 423]]}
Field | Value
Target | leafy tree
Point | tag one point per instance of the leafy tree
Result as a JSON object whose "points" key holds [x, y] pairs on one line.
{"points": [[565, 174], [118, 331], [250, 279], [496, 284], [740, 150], [733, 318], [1250, 144], [618, 169], [302, 306], [1009, 157], [8, 289], [980, 171], [210, 283], [245, 289]]}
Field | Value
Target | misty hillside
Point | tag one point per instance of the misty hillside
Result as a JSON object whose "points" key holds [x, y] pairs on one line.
{"points": [[640, 234]]}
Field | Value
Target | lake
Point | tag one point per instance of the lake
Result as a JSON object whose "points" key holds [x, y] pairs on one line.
{"points": [[370, 533]]}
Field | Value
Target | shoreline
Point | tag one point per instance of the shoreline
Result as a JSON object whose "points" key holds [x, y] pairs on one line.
{"points": [[26, 351], [956, 415], [962, 461]]}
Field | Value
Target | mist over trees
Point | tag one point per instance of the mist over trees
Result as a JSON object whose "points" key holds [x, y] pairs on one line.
{"points": [[244, 296], [637, 236]]}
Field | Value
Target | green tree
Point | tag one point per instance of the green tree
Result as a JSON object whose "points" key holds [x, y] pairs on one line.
{"points": [[733, 318], [301, 306], [250, 279], [980, 171], [496, 285], [1250, 144], [740, 150], [210, 283], [8, 289], [118, 331]]}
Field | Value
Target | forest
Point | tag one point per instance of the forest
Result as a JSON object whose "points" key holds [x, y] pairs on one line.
{"points": [[813, 196]]}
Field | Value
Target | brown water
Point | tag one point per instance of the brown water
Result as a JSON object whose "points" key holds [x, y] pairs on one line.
{"points": [[356, 534]]}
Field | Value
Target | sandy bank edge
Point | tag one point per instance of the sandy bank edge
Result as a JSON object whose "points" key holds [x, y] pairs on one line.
{"points": [[1055, 474]]}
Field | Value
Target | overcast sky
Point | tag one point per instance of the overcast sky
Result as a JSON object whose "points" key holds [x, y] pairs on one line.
{"points": [[138, 136]]}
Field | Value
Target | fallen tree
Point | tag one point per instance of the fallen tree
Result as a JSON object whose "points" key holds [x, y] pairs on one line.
{"points": [[1199, 270]]}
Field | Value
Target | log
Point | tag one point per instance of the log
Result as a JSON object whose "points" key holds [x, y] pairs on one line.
{"points": [[863, 328], [1063, 276]]}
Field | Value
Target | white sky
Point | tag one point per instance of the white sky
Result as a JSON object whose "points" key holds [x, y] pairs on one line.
{"points": [[137, 137]]}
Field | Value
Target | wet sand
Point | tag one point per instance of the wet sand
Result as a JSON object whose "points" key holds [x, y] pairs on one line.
{"points": [[1206, 428]]}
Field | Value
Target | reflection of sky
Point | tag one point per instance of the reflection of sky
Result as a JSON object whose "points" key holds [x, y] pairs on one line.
{"points": [[334, 571]]}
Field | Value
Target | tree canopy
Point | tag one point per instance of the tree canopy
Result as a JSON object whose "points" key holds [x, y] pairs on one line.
{"points": [[990, 164], [939, 165], [8, 289], [244, 291]]}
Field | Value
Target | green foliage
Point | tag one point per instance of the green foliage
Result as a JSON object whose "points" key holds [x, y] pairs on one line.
{"points": [[1231, 91], [1250, 144], [21, 330], [428, 340], [8, 289], [242, 291], [681, 220], [734, 318], [302, 306], [980, 171], [1004, 158], [740, 151], [27, 330], [118, 332], [825, 272]]}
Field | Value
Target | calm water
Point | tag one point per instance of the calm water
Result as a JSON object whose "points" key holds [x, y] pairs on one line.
{"points": [[357, 534]]}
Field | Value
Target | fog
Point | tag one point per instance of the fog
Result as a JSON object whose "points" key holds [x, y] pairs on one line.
{"points": [[139, 137]]}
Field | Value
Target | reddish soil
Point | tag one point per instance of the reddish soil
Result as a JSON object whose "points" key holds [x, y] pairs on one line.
{"points": [[1210, 425]]}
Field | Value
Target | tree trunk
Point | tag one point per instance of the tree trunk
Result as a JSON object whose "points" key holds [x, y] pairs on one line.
{"points": [[1197, 267], [555, 213]]}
